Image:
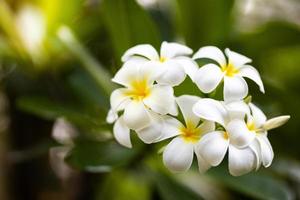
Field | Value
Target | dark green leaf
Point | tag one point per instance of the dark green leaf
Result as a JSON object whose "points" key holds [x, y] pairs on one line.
{"points": [[87, 90], [270, 36], [47, 109], [187, 87], [97, 156], [257, 185], [204, 22], [170, 189], [128, 24]]}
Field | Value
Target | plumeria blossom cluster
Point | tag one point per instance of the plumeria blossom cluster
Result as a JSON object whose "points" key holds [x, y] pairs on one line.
{"points": [[146, 105]]}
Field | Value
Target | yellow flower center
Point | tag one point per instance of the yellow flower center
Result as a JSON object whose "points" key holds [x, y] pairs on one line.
{"points": [[229, 70], [225, 135], [162, 59], [190, 133], [251, 126], [139, 89]]}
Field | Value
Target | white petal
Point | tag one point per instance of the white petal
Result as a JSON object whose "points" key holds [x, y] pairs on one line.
{"points": [[267, 153], [276, 122], [122, 133], [250, 72], [211, 52], [255, 147], [171, 127], [161, 99], [144, 50], [208, 77], [137, 59], [213, 147], [241, 161], [259, 117], [207, 127], [238, 109], [112, 116], [203, 165], [136, 115], [118, 99], [239, 134], [172, 73], [146, 72], [236, 59], [171, 50], [173, 109], [235, 88], [190, 66], [134, 71], [212, 110], [186, 103], [127, 73], [154, 68], [178, 155], [152, 132]]}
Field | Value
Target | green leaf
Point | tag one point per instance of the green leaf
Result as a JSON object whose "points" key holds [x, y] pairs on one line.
{"points": [[187, 87], [283, 77], [256, 185], [267, 38], [87, 91], [128, 24], [122, 184], [170, 189], [50, 110], [95, 156], [204, 22]]}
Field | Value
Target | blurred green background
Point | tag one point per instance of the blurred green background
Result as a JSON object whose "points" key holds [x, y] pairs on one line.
{"points": [[56, 61]]}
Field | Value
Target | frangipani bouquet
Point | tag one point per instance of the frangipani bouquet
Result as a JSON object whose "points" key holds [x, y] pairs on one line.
{"points": [[147, 105]]}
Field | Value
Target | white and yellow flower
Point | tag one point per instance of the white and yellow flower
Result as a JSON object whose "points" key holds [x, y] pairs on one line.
{"points": [[142, 100], [178, 154], [258, 124], [170, 66], [234, 137], [231, 71], [146, 102]]}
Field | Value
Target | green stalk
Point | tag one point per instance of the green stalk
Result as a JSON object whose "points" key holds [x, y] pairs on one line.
{"points": [[91, 65]]}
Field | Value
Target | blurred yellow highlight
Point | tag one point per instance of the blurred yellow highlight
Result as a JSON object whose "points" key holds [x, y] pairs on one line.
{"points": [[31, 27]]}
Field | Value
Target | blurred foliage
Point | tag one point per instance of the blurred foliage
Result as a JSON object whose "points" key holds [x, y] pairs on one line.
{"points": [[257, 185], [132, 183], [128, 25], [67, 74], [172, 190], [204, 22], [104, 156]]}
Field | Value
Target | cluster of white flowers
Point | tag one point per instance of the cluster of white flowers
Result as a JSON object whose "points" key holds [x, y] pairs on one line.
{"points": [[147, 105]]}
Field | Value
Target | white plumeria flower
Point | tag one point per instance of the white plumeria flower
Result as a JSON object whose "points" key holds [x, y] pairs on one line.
{"points": [[170, 67], [258, 124], [235, 137], [178, 154], [231, 71], [142, 101]]}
